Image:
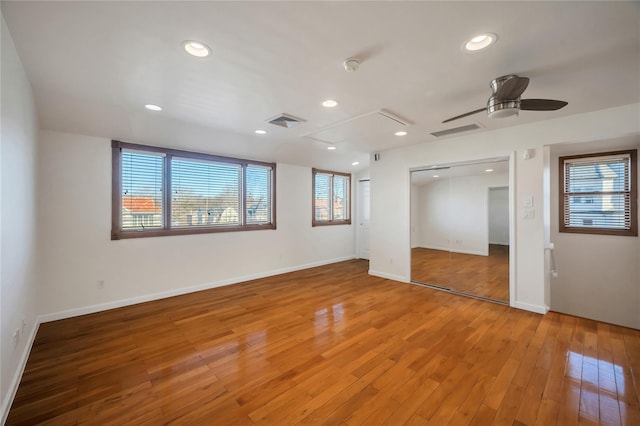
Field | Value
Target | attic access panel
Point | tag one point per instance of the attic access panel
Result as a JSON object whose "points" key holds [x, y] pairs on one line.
{"points": [[371, 131]]}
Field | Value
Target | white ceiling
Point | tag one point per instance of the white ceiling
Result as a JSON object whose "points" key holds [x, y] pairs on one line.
{"points": [[93, 65]]}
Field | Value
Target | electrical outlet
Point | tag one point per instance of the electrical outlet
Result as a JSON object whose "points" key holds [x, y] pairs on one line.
{"points": [[16, 337], [100, 284]]}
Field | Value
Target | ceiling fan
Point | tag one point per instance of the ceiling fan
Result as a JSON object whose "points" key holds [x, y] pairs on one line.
{"points": [[505, 100]]}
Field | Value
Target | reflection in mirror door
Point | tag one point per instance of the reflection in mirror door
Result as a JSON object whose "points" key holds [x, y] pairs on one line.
{"points": [[460, 228], [430, 238]]}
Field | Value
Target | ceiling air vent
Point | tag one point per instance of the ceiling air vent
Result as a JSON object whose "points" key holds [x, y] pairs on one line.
{"points": [[456, 130], [285, 120]]}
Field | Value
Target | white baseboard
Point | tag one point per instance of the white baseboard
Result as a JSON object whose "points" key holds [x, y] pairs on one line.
{"points": [[389, 276], [538, 309], [452, 250], [15, 381], [180, 291], [431, 247]]}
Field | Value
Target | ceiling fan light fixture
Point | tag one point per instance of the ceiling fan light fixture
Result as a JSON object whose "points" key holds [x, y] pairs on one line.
{"points": [[480, 42]]}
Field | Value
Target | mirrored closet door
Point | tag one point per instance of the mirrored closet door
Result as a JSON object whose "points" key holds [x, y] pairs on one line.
{"points": [[460, 228]]}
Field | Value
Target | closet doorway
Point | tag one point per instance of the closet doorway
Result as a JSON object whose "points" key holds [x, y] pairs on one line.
{"points": [[460, 228]]}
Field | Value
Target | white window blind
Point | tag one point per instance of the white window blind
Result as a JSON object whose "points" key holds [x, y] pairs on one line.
{"points": [[142, 183], [331, 198], [205, 193], [597, 192], [322, 196], [340, 197], [258, 194]]}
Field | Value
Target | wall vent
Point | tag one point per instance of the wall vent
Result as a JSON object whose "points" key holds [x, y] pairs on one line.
{"points": [[460, 129], [285, 120]]}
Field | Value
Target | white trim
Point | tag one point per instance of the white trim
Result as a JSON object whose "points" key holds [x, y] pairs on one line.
{"points": [[389, 276], [451, 250], [357, 220], [538, 309], [15, 382], [178, 292], [430, 247]]}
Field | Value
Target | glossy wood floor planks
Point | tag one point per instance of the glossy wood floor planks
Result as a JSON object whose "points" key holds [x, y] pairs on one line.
{"points": [[329, 345]]}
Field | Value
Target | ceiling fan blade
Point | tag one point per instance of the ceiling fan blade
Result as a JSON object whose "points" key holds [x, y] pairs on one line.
{"points": [[464, 115], [541, 104], [512, 88]]}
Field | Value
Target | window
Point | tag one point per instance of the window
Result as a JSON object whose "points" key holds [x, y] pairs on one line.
{"points": [[160, 191], [331, 198], [598, 193]]}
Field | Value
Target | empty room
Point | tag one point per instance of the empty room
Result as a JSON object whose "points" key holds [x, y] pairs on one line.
{"points": [[319, 212]]}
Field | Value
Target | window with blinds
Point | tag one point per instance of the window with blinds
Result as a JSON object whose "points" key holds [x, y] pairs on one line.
{"points": [[598, 193], [331, 201], [159, 191]]}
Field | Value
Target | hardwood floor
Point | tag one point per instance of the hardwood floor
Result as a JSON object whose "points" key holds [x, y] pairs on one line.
{"points": [[484, 276], [329, 345]]}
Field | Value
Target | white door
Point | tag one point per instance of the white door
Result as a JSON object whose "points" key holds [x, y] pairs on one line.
{"points": [[364, 193]]}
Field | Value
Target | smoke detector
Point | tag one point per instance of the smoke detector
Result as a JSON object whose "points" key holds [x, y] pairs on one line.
{"points": [[351, 65]]}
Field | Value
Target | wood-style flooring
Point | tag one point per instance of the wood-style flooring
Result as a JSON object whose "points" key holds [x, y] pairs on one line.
{"points": [[484, 276], [329, 345]]}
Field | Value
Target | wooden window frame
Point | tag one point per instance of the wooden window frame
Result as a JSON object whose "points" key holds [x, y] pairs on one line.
{"points": [[329, 222], [633, 196], [117, 233]]}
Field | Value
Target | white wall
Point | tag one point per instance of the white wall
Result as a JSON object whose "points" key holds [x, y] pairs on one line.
{"points": [[452, 214], [390, 188], [18, 147], [76, 249], [598, 275]]}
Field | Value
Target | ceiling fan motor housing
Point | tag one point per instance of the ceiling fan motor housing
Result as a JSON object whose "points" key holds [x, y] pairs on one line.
{"points": [[498, 108]]}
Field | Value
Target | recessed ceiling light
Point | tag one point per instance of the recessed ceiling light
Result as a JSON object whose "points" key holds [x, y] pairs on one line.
{"points": [[436, 176], [196, 48], [355, 163], [331, 147], [152, 107], [488, 170], [479, 42], [329, 103], [261, 132], [401, 133]]}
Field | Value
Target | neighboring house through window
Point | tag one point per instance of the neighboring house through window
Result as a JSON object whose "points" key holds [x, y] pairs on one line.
{"points": [[598, 193], [331, 201]]}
